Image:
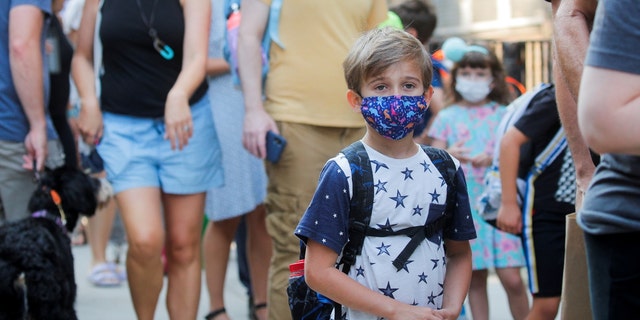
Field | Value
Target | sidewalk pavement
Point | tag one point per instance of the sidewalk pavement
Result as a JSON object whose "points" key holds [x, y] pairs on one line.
{"points": [[94, 303]]}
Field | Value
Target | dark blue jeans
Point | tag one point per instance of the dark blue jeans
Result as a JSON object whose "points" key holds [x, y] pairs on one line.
{"points": [[614, 275]]}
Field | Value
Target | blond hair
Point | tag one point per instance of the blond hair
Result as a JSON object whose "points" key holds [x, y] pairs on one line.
{"points": [[380, 48]]}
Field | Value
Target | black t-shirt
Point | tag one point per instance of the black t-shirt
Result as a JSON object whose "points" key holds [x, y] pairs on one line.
{"points": [[555, 187], [136, 78]]}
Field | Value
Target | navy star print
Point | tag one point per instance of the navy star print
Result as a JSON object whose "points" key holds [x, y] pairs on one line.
{"points": [[387, 226], [422, 278], [383, 249], [380, 186], [435, 263], [406, 267], [379, 165], [426, 166], [388, 291], [434, 196], [417, 210], [399, 199], [407, 173], [431, 299]]}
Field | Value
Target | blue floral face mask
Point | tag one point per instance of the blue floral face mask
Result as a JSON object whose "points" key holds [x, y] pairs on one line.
{"points": [[393, 117]]}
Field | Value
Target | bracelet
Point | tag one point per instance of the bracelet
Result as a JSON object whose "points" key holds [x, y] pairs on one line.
{"points": [[74, 112]]}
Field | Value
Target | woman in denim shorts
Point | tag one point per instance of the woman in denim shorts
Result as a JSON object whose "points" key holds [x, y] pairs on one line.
{"points": [[153, 128]]}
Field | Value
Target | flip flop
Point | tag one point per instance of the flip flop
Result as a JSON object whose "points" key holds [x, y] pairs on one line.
{"points": [[103, 275]]}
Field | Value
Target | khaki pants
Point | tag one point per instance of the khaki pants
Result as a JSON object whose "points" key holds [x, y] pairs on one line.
{"points": [[16, 183], [292, 182]]}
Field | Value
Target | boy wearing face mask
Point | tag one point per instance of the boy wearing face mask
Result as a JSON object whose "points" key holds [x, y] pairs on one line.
{"points": [[388, 73], [466, 128]]}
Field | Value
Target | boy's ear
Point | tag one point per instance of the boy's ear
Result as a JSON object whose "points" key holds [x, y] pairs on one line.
{"points": [[354, 99], [428, 94]]}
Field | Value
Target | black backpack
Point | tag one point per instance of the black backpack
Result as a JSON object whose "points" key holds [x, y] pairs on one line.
{"points": [[306, 303]]}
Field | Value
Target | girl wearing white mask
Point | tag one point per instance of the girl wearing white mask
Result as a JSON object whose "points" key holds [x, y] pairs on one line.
{"points": [[477, 94]]}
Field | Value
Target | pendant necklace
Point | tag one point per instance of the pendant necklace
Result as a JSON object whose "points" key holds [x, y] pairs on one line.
{"points": [[163, 49]]}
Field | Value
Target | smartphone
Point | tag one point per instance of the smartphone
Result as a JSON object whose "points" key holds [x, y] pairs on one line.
{"points": [[275, 146]]}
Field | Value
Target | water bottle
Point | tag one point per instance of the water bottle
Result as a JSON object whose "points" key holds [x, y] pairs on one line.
{"points": [[296, 269]]}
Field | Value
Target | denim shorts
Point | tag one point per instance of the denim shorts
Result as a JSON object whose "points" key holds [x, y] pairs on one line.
{"points": [[136, 155]]}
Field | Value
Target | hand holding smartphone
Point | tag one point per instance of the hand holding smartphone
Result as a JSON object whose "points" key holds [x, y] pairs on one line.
{"points": [[275, 145]]}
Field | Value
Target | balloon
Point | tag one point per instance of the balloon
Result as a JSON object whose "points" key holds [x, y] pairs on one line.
{"points": [[454, 49]]}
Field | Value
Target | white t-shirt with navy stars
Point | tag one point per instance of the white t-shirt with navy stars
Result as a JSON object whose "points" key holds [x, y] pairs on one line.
{"points": [[406, 192]]}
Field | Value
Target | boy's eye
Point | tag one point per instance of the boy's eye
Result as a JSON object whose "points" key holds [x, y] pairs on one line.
{"points": [[409, 86], [380, 87]]}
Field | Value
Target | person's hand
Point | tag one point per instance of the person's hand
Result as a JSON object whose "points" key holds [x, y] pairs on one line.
{"points": [[177, 120], [256, 125], [90, 121], [409, 312], [482, 160], [448, 314], [36, 144], [459, 152], [510, 218]]}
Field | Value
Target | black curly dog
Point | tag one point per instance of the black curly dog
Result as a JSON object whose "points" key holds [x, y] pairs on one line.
{"points": [[36, 263]]}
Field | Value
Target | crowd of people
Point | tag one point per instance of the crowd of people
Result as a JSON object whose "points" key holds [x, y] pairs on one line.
{"points": [[146, 95]]}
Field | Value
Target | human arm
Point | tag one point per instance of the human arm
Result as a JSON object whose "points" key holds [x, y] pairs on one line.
{"points": [[90, 117], [217, 66], [608, 110], [510, 215], [573, 21], [26, 62], [580, 153], [457, 278], [257, 121], [322, 276], [609, 90], [177, 111]]}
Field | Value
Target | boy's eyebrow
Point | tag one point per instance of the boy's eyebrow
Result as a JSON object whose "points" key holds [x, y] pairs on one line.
{"points": [[379, 78], [374, 79]]}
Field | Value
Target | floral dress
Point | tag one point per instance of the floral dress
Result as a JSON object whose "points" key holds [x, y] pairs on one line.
{"points": [[476, 126]]}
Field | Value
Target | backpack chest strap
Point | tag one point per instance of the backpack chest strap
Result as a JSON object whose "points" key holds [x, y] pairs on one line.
{"points": [[417, 235]]}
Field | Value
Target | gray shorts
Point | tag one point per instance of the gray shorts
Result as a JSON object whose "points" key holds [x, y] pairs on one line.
{"points": [[17, 183]]}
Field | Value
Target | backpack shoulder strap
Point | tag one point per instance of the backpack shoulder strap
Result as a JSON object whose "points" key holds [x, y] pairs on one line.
{"points": [[444, 163], [361, 202]]}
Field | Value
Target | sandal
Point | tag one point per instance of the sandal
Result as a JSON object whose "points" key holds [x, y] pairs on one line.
{"points": [[211, 315], [120, 272], [103, 275], [255, 308]]}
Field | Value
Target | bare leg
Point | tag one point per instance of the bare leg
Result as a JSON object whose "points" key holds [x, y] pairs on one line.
{"points": [[217, 239], [142, 219], [259, 254], [183, 216], [478, 300], [99, 230], [516, 292]]}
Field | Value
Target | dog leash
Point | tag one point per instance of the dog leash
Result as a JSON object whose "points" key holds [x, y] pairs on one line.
{"points": [[54, 196]]}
